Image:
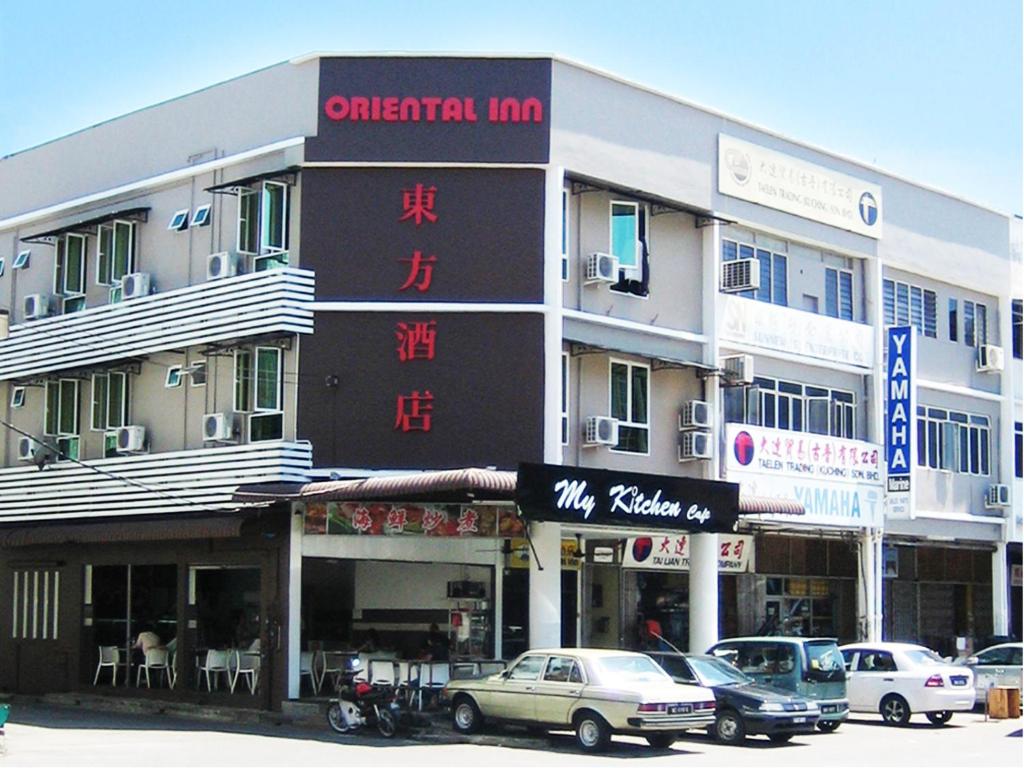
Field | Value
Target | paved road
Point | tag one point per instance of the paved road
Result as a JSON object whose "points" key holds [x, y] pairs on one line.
{"points": [[52, 737]]}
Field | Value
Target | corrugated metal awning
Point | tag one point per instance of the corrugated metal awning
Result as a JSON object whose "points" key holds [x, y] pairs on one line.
{"points": [[173, 528], [763, 505]]}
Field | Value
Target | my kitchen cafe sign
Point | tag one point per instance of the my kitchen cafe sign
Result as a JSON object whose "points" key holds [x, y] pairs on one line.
{"points": [[578, 496]]}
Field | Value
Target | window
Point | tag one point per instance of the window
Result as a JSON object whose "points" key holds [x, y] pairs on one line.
{"points": [[565, 399], [173, 378], [115, 254], [565, 234], [179, 221], [35, 605], [17, 397], [876, 661], [1018, 450], [61, 415], [772, 268], [905, 304], [630, 393], [109, 400], [975, 324], [839, 293], [197, 374], [258, 390], [527, 669], [69, 272], [21, 261], [201, 216], [1017, 311], [792, 406], [263, 224], [625, 234], [561, 669], [953, 322], [953, 441]]}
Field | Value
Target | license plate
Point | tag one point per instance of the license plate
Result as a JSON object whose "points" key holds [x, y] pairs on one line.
{"points": [[679, 709], [799, 720], [958, 680], [828, 707]]}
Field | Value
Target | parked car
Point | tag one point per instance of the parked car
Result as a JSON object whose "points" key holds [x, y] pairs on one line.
{"points": [[996, 665], [898, 680], [745, 708], [595, 692], [810, 667]]}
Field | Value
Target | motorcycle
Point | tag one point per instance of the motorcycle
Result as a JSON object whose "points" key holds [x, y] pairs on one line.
{"points": [[360, 704]]}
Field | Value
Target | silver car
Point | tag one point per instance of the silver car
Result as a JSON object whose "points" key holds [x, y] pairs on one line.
{"points": [[996, 665], [594, 692]]}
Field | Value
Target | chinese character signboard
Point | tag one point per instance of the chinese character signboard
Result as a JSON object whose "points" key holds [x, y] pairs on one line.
{"points": [[672, 552], [356, 518], [900, 421]]}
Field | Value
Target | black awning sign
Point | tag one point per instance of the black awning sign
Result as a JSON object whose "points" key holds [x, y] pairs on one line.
{"points": [[627, 499]]}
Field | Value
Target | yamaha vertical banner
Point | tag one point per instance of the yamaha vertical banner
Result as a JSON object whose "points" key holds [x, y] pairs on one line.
{"points": [[900, 421]]}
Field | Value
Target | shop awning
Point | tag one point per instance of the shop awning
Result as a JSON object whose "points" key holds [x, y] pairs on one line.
{"points": [[286, 175], [133, 213], [170, 529], [763, 505]]}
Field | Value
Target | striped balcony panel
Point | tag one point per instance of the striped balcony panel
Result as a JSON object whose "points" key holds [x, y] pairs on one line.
{"points": [[181, 481], [257, 304]]}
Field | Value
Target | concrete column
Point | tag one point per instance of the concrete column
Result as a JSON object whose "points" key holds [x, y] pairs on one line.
{"points": [[703, 591], [554, 179], [497, 602], [293, 630], [876, 631], [865, 585], [546, 585], [1000, 592]]}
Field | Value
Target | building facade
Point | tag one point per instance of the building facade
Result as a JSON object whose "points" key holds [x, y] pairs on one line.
{"points": [[228, 308]]}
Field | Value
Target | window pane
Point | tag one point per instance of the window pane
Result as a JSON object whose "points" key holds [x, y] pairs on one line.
{"points": [[929, 314], [243, 381], [817, 415], [99, 401], [981, 323], [638, 409], [831, 293], [624, 234], [975, 451], [52, 407], [734, 404], [68, 420], [902, 304], [780, 294], [632, 439], [620, 392], [1017, 321], [266, 426], [104, 252], [728, 250], [117, 400], [784, 408], [917, 308], [247, 221], [268, 372], [965, 450], [764, 261], [123, 249], [274, 216], [933, 444], [983, 437], [74, 268], [846, 296], [969, 323], [768, 409], [948, 459], [953, 323], [889, 302], [922, 442]]}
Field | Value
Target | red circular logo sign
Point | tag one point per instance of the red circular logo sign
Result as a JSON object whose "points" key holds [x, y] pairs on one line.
{"points": [[743, 448]]}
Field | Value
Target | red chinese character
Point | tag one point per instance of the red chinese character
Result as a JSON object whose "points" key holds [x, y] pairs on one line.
{"points": [[361, 520], [737, 551], [421, 268], [789, 447], [467, 521], [418, 204], [412, 412], [800, 450], [433, 518], [764, 445], [416, 340], [777, 446], [853, 456], [664, 545], [874, 458], [680, 545], [828, 453], [841, 454], [397, 519], [815, 451], [723, 549]]}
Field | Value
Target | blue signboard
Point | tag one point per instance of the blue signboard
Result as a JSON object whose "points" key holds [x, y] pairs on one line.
{"points": [[900, 421]]}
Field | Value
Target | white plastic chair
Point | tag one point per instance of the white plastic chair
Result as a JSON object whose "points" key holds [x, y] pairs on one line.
{"points": [[249, 668], [172, 669], [217, 662], [306, 668], [110, 656], [331, 663], [383, 672], [155, 658]]}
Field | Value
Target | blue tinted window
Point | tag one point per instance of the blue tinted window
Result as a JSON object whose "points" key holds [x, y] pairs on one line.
{"points": [[764, 259], [831, 293], [779, 291], [625, 234]]}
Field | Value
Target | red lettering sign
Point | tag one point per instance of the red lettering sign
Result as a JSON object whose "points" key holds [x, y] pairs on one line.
{"points": [[412, 411], [431, 109], [416, 340], [418, 204], [421, 271]]}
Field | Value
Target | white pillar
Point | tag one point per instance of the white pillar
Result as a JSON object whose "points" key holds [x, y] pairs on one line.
{"points": [[294, 628], [554, 180], [877, 538], [497, 602], [865, 585], [703, 591], [1000, 592], [546, 585]]}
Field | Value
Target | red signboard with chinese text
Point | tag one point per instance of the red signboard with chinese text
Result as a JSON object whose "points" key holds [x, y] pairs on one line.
{"points": [[382, 519]]}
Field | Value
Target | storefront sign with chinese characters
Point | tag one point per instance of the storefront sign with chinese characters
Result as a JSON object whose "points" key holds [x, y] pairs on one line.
{"points": [[672, 552], [383, 519]]}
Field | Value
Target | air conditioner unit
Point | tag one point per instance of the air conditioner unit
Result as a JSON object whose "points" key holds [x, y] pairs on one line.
{"points": [[36, 305], [990, 358], [131, 439], [601, 268], [222, 427], [27, 449], [738, 369], [222, 264], [600, 430], [695, 415], [997, 496], [135, 285], [695, 445], [741, 275]]}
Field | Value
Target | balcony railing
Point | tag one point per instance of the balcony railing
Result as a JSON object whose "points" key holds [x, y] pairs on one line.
{"points": [[181, 481], [257, 304]]}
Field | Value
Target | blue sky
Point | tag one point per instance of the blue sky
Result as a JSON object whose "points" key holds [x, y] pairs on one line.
{"points": [[928, 89]]}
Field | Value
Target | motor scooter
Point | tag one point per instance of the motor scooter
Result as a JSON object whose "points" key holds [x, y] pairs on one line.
{"points": [[360, 704]]}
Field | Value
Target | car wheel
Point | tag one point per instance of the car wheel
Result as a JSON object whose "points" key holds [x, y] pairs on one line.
{"points": [[779, 738], [828, 725], [592, 732], [661, 740], [939, 718], [729, 727], [894, 710], [466, 717]]}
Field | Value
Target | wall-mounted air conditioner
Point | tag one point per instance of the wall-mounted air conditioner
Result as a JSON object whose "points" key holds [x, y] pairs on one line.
{"points": [[738, 369], [600, 430], [223, 427], [27, 449], [135, 286], [695, 415], [36, 305], [996, 496], [601, 268], [741, 275], [990, 358], [130, 439], [695, 445], [223, 264]]}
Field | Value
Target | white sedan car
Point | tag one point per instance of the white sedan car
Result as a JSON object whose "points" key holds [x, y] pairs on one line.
{"points": [[997, 665], [897, 680]]}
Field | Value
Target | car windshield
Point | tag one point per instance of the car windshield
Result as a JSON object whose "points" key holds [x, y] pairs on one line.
{"points": [[923, 657], [717, 672], [630, 669], [824, 661]]}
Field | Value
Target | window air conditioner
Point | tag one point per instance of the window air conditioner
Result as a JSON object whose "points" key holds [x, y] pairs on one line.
{"points": [[601, 268], [997, 496], [695, 445], [738, 369], [131, 439], [695, 415], [36, 305], [741, 275], [222, 264], [135, 285], [222, 427], [990, 358], [600, 430]]}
